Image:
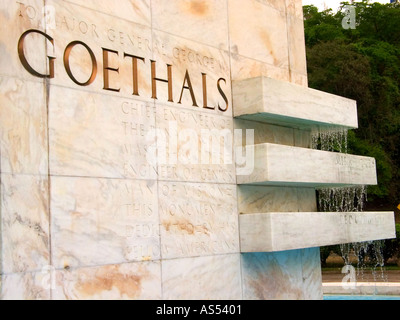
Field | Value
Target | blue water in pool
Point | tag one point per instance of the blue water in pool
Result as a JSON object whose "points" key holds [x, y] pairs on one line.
{"points": [[351, 297]]}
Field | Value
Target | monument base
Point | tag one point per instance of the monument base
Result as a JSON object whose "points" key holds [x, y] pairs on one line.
{"points": [[286, 275]]}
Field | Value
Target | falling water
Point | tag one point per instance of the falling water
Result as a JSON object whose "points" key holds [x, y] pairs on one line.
{"points": [[348, 199], [330, 139]]}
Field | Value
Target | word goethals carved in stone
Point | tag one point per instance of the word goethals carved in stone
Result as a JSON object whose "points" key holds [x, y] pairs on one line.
{"points": [[107, 69]]}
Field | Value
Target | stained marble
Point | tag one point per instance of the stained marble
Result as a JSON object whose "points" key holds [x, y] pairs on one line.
{"points": [[279, 276], [205, 21], [255, 36], [130, 281], [197, 219], [204, 278]]}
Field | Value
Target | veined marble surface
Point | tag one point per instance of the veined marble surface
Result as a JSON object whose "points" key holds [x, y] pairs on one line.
{"points": [[121, 225], [291, 166], [282, 231], [88, 138], [204, 278], [288, 275], [24, 286], [268, 100], [23, 123], [255, 199], [129, 281], [24, 223], [197, 220]]}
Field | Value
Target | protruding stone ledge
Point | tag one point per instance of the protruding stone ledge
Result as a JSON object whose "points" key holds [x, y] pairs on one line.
{"points": [[273, 232], [278, 102], [292, 166]]}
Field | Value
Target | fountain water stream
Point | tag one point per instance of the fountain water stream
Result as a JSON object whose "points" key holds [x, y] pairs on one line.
{"points": [[349, 199], [333, 139]]}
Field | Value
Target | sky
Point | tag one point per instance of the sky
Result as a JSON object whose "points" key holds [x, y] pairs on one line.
{"points": [[332, 4]]}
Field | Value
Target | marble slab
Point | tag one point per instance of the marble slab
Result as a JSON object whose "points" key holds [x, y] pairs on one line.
{"points": [[282, 275], [205, 21], [129, 281], [279, 231], [103, 50], [255, 199], [138, 11], [16, 18], [312, 274], [103, 221], [259, 32], [276, 4], [243, 68], [96, 135], [25, 235], [265, 133], [23, 127], [197, 219], [293, 166], [296, 45], [192, 146], [273, 101], [24, 286], [268, 133], [203, 278], [294, 8]]}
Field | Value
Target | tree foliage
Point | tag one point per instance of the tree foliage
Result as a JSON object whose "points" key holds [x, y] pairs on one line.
{"points": [[363, 64]]}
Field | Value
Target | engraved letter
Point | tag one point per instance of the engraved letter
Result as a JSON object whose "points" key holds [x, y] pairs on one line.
{"points": [[154, 79], [190, 88], [67, 53], [134, 72], [107, 68], [223, 95], [204, 75], [25, 63]]}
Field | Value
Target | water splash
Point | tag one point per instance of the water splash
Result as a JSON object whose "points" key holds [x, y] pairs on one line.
{"points": [[369, 255]]}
